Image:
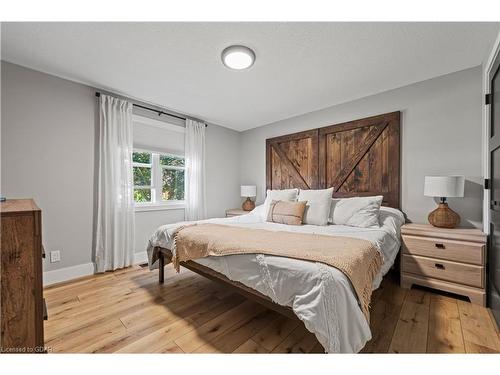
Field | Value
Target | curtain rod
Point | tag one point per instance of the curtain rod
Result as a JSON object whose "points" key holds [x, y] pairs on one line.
{"points": [[98, 94]]}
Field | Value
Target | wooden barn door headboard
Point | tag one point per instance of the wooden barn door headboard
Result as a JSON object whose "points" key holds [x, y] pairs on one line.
{"points": [[356, 158], [292, 161]]}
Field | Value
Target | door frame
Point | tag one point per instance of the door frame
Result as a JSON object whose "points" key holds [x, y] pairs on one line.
{"points": [[486, 114]]}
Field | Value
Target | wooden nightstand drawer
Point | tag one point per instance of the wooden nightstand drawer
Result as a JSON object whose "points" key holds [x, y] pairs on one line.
{"points": [[444, 270], [458, 251], [453, 260], [236, 212]]}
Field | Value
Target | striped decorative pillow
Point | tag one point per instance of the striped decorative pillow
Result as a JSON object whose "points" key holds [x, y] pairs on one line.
{"points": [[284, 212]]}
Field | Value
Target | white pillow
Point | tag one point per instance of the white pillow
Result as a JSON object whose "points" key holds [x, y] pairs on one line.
{"points": [[389, 212], [360, 212], [289, 195], [391, 219], [259, 212], [318, 205]]}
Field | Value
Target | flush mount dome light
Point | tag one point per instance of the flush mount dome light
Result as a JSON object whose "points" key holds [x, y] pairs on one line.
{"points": [[238, 57]]}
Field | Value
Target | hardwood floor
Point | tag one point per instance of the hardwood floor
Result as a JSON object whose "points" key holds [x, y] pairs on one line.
{"points": [[129, 312]]}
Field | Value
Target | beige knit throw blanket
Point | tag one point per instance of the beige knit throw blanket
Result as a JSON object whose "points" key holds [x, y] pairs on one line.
{"points": [[358, 259]]}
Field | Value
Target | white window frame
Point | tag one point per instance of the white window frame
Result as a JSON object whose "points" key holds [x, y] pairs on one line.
{"points": [[156, 183]]}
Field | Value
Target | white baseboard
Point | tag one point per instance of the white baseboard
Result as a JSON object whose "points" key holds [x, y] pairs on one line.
{"points": [[67, 273], [80, 270]]}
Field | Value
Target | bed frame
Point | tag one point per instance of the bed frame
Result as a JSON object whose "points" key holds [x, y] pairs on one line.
{"points": [[165, 254], [357, 158]]}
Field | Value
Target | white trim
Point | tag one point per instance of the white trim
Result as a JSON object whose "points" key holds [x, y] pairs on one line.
{"points": [[156, 179], [158, 124], [67, 273], [486, 131], [141, 165], [74, 272], [145, 149], [172, 167], [141, 257], [179, 205]]}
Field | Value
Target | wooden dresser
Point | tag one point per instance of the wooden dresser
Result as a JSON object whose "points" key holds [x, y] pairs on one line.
{"points": [[21, 277], [453, 260]]}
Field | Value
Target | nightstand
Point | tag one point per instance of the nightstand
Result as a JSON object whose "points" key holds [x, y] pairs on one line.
{"points": [[452, 260], [235, 212]]}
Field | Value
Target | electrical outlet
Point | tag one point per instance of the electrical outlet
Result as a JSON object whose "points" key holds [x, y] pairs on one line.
{"points": [[55, 256]]}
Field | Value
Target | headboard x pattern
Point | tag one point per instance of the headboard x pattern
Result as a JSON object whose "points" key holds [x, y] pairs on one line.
{"points": [[356, 158]]}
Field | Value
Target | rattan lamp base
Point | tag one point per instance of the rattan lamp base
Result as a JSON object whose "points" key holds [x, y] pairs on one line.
{"points": [[444, 217], [248, 205]]}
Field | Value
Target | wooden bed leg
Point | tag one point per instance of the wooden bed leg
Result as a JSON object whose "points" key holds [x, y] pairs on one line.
{"points": [[161, 267]]}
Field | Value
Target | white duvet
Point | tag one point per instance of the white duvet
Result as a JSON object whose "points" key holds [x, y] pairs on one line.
{"points": [[320, 295]]}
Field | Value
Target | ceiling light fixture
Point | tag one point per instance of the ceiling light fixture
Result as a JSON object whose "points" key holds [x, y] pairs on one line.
{"points": [[238, 57]]}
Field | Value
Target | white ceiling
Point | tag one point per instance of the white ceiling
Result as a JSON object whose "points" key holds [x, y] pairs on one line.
{"points": [[300, 67]]}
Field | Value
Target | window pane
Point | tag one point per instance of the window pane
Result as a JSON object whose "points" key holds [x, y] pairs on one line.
{"points": [[142, 195], [141, 157], [173, 184], [173, 161], [142, 176]]}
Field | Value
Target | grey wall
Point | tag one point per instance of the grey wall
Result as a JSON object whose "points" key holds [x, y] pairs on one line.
{"points": [[48, 153], [440, 131]]}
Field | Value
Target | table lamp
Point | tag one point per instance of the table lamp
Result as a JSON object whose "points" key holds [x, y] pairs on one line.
{"points": [[444, 187], [248, 191]]}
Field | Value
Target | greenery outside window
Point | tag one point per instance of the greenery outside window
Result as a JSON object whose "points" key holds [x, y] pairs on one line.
{"points": [[158, 178]]}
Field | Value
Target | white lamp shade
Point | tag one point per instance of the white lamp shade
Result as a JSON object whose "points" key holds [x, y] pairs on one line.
{"points": [[444, 186], [248, 191]]}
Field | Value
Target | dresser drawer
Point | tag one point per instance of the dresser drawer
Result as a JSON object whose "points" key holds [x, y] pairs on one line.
{"points": [[466, 274], [459, 251]]}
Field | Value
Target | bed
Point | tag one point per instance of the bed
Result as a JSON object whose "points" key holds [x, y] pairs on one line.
{"points": [[358, 158]]}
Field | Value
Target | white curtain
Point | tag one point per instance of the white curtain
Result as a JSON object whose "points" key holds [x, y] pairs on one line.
{"points": [[195, 170], [115, 202]]}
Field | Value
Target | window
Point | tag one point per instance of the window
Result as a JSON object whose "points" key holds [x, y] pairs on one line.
{"points": [[158, 178]]}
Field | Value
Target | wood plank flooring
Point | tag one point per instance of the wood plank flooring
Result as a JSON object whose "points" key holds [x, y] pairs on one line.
{"points": [[129, 312]]}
